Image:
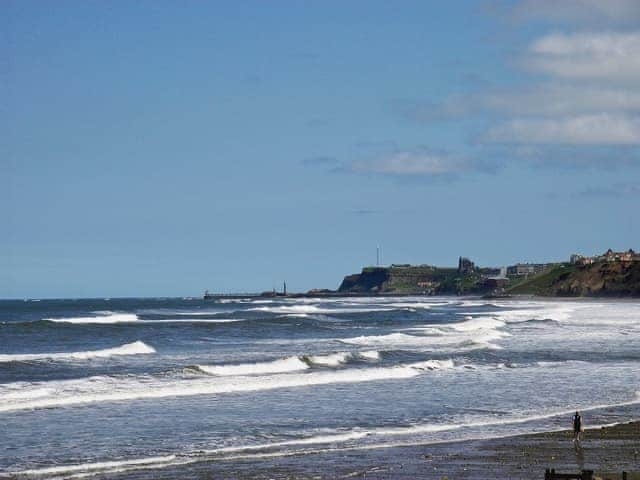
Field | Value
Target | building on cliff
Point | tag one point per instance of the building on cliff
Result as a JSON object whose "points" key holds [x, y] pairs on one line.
{"points": [[608, 256], [465, 266], [526, 269], [628, 256]]}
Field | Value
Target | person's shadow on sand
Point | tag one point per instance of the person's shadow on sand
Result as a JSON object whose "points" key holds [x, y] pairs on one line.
{"points": [[579, 454]]}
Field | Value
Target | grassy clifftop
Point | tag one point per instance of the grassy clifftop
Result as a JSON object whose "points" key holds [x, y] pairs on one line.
{"points": [[602, 279], [410, 279]]}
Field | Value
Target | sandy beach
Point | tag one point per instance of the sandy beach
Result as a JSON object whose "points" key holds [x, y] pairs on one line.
{"points": [[608, 451]]}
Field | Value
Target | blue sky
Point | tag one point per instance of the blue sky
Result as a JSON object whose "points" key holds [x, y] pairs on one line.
{"points": [[161, 148]]}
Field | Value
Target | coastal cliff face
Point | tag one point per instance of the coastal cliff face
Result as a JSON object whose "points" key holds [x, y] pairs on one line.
{"points": [[411, 279], [372, 279], [602, 279]]}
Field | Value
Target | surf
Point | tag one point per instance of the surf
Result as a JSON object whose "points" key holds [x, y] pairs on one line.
{"points": [[134, 348], [113, 389]]}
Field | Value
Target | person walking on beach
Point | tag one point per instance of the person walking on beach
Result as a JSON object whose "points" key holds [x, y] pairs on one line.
{"points": [[577, 426]]}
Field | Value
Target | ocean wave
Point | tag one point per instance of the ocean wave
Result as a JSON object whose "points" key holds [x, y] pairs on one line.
{"points": [[135, 348], [370, 355], [331, 360], [299, 309], [551, 312], [286, 365], [422, 305], [471, 340], [473, 323], [354, 439], [104, 318], [561, 362], [127, 319], [291, 364], [195, 320], [112, 389]]}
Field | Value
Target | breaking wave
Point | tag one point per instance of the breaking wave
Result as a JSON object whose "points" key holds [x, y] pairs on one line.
{"points": [[286, 365], [135, 348], [291, 364], [299, 309], [355, 439], [106, 318], [332, 360], [112, 389], [477, 340], [481, 323]]}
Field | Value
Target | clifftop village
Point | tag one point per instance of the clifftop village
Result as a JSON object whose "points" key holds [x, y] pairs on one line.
{"points": [[612, 273], [498, 278], [468, 278]]}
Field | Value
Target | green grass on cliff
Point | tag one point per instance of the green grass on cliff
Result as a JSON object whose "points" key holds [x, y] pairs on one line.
{"points": [[542, 283]]}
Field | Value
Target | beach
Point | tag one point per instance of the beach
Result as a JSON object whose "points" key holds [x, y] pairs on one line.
{"points": [[607, 451]]}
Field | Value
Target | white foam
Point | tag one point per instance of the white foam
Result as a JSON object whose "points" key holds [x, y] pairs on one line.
{"points": [[314, 440], [97, 466], [422, 305], [332, 360], [433, 365], [370, 355], [291, 364], [273, 449], [472, 324], [196, 320], [112, 389], [480, 339], [135, 348], [28, 394], [110, 318], [299, 309]]}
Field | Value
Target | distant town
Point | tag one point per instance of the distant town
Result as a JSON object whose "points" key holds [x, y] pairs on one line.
{"points": [[613, 273]]}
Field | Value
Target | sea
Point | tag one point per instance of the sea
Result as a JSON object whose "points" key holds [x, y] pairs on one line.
{"points": [[154, 388]]}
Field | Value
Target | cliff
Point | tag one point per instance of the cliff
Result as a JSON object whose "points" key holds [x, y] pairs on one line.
{"points": [[422, 279], [601, 279]]}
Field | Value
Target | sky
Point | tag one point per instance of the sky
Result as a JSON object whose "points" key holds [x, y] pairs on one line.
{"points": [[160, 148]]}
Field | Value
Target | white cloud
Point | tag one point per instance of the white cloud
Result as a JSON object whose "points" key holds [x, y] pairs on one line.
{"points": [[554, 100], [551, 99], [596, 56], [416, 162], [596, 129], [591, 99]]}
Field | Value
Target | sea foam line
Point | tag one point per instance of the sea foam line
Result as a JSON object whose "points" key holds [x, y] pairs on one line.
{"points": [[299, 309], [129, 318], [262, 450], [101, 319], [289, 364], [134, 348], [112, 389]]}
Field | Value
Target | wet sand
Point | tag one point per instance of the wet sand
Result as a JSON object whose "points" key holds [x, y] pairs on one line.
{"points": [[608, 451]]}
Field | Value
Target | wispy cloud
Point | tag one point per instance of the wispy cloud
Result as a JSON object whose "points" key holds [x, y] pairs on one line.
{"points": [[419, 162], [549, 99], [553, 99], [364, 212], [591, 97], [595, 129], [597, 56], [616, 190], [320, 160]]}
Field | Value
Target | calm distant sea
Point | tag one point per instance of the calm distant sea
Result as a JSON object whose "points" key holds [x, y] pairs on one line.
{"points": [[141, 387]]}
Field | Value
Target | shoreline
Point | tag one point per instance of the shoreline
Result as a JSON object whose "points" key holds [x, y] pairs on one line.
{"points": [[607, 450]]}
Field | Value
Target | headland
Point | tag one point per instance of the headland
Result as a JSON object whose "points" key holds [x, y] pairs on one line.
{"points": [[612, 274]]}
